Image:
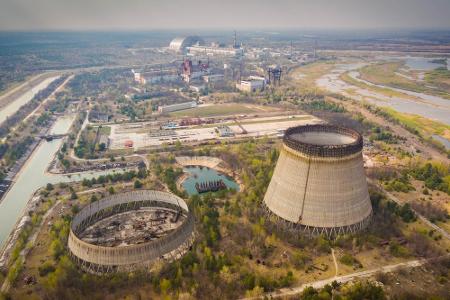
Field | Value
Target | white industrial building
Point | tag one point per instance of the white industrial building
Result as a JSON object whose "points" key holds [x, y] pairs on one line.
{"points": [[252, 84], [215, 51], [156, 76], [224, 131], [176, 107], [196, 88]]}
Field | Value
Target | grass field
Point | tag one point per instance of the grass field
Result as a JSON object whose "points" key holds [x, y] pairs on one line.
{"points": [[105, 130], [386, 74], [384, 91], [425, 126], [306, 75], [220, 110], [439, 78]]}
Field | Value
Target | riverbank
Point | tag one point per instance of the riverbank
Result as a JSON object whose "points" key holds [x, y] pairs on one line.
{"points": [[29, 177], [427, 106], [8, 247], [33, 176]]}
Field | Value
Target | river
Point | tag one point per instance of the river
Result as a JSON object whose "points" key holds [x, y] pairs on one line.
{"points": [[33, 176], [416, 62], [428, 106]]}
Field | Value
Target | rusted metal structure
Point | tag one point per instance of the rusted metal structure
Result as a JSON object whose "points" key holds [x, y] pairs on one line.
{"points": [[274, 77], [210, 186], [101, 259], [319, 185]]}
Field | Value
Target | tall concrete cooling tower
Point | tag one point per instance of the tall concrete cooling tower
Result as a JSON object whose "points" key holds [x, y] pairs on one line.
{"points": [[319, 185]]}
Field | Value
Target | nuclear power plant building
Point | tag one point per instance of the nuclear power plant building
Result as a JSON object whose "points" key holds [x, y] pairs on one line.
{"points": [[180, 44], [319, 184]]}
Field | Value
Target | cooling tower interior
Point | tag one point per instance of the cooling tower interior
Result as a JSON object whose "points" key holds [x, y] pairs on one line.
{"points": [[319, 184], [130, 231]]}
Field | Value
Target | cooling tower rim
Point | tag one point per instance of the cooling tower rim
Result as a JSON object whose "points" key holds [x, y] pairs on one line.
{"points": [[310, 149]]}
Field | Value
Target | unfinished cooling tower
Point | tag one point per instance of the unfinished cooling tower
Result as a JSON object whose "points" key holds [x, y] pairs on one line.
{"points": [[130, 231], [319, 185]]}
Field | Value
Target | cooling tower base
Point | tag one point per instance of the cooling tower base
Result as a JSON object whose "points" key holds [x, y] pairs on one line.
{"points": [[312, 231], [98, 269]]}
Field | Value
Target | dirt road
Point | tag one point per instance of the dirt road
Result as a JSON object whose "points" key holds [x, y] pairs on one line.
{"points": [[341, 279]]}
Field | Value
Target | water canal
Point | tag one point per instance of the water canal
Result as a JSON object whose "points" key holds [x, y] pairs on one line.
{"points": [[14, 106], [33, 176]]}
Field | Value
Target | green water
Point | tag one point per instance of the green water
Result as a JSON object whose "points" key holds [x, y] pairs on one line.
{"points": [[202, 174]]}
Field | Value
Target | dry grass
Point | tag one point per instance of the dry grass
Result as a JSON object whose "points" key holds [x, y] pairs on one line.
{"points": [[306, 76], [218, 110], [426, 126], [380, 90], [386, 74]]}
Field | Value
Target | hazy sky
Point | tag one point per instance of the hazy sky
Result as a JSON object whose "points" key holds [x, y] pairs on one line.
{"points": [[174, 14]]}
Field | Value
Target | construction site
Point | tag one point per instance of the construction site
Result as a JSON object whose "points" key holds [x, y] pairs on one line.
{"points": [[130, 231]]}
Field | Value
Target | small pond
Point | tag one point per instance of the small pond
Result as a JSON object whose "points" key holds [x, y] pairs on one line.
{"points": [[200, 175]]}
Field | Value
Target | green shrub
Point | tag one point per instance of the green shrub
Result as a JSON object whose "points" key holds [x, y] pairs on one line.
{"points": [[397, 250], [46, 268], [137, 184], [15, 270], [300, 259], [349, 260]]}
